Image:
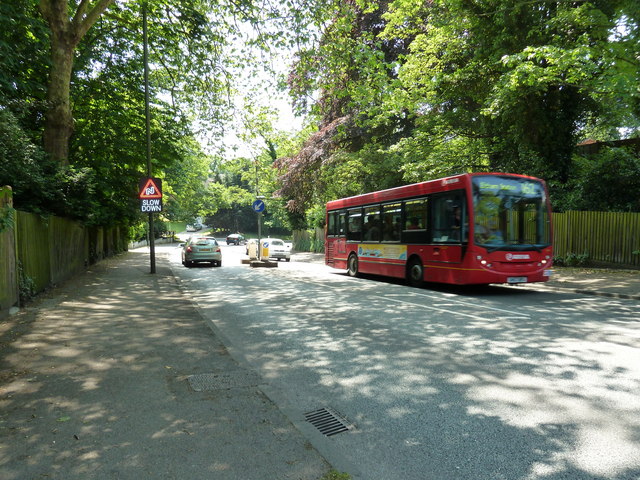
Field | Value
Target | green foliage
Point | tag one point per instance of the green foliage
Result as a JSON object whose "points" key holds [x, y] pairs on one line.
{"points": [[24, 167], [23, 59], [335, 475], [140, 231], [515, 81], [308, 240], [316, 216], [610, 181], [7, 218], [241, 179], [40, 185], [572, 260], [606, 181], [317, 243], [26, 285]]}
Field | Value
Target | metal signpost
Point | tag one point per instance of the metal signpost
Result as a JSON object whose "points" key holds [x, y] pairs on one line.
{"points": [[258, 207], [147, 187]]}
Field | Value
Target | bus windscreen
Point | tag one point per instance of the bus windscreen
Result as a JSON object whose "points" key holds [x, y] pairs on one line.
{"points": [[510, 213]]}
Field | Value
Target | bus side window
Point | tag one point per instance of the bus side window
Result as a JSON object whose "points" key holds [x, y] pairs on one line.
{"points": [[342, 224], [372, 224], [391, 222], [354, 225], [448, 218], [415, 221]]}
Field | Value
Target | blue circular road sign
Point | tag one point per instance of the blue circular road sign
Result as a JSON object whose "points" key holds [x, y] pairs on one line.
{"points": [[258, 206]]}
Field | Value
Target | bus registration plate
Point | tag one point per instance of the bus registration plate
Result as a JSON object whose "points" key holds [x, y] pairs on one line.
{"points": [[516, 279]]}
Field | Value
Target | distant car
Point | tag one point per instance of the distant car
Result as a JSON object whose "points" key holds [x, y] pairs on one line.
{"points": [[235, 239], [195, 227], [201, 249], [278, 249]]}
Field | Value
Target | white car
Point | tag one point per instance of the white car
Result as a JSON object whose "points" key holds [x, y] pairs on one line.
{"points": [[277, 249]]}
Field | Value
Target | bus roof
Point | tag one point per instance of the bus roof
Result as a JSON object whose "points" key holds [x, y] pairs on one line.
{"points": [[454, 182]]}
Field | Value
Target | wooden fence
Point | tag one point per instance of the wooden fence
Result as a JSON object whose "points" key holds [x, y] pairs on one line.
{"points": [[37, 252], [309, 240], [606, 237], [8, 268]]}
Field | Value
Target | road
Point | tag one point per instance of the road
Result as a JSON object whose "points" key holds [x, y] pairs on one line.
{"points": [[442, 383]]}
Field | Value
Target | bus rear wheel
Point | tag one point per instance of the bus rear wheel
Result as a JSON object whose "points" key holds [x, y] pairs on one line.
{"points": [[415, 273], [352, 265]]}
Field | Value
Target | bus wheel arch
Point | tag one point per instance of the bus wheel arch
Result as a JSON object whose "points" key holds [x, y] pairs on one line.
{"points": [[352, 265], [415, 271]]}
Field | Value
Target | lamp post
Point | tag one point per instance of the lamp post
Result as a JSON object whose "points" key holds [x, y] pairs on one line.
{"points": [[152, 246]]}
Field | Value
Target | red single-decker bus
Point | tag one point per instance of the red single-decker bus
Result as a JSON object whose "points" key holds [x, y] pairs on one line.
{"points": [[474, 228]]}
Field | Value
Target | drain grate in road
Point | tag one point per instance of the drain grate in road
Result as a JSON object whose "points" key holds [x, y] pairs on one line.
{"points": [[206, 382], [328, 421]]}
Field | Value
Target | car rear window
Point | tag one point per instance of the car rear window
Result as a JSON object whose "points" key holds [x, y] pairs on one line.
{"points": [[276, 242], [204, 241]]}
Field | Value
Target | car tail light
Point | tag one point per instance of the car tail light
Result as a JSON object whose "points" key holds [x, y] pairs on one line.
{"points": [[189, 249], [218, 250]]}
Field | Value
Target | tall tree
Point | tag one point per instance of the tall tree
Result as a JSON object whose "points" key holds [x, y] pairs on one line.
{"points": [[69, 24], [503, 84], [348, 72], [511, 83]]}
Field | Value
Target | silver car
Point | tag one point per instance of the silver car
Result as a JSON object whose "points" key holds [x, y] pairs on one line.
{"points": [[201, 249]]}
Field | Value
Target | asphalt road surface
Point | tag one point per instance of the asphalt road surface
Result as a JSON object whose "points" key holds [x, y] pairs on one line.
{"points": [[439, 383]]}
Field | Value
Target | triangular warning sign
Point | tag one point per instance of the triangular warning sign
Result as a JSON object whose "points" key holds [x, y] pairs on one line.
{"points": [[151, 188]]}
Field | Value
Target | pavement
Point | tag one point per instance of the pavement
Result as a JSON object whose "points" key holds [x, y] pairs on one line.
{"points": [[603, 282], [116, 375]]}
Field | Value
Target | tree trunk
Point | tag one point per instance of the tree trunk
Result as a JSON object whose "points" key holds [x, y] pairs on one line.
{"points": [[59, 120]]}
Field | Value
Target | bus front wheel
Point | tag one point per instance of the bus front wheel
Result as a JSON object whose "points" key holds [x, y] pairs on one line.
{"points": [[352, 265], [415, 273]]}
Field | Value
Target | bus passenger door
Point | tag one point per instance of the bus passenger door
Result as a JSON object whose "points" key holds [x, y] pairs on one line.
{"points": [[336, 240], [448, 232]]}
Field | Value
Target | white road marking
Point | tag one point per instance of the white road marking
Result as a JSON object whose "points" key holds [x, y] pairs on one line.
{"points": [[511, 313]]}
